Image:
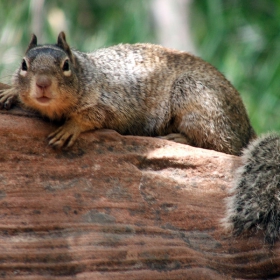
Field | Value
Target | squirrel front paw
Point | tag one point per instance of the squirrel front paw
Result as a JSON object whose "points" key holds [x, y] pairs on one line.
{"points": [[8, 97], [64, 136]]}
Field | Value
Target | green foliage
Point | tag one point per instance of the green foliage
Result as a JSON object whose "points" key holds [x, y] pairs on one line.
{"points": [[104, 22], [12, 17], [242, 39]]}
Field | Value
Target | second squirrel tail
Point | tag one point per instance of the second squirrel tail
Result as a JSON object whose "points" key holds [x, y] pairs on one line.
{"points": [[255, 200]]}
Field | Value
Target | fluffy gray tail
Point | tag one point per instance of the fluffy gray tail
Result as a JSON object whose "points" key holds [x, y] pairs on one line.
{"points": [[255, 200]]}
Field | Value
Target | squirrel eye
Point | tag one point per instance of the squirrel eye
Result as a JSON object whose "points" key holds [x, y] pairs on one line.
{"points": [[24, 65], [66, 66]]}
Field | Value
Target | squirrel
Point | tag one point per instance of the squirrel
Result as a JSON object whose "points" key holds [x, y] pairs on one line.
{"points": [[139, 89], [149, 90]]}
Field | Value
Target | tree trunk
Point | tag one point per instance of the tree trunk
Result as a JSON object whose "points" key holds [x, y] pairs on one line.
{"points": [[117, 207]]}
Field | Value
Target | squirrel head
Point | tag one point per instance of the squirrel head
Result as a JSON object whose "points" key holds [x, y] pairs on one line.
{"points": [[47, 78]]}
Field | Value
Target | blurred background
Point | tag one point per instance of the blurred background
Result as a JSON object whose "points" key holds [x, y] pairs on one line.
{"points": [[240, 38]]}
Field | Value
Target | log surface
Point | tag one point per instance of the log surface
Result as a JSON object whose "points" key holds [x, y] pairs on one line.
{"points": [[118, 207]]}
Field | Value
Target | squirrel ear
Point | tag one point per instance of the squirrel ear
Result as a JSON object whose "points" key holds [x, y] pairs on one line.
{"points": [[61, 42], [33, 42]]}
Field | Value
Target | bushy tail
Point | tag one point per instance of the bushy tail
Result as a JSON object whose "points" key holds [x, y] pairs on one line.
{"points": [[255, 200]]}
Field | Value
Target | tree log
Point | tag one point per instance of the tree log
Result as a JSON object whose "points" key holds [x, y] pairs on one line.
{"points": [[118, 207]]}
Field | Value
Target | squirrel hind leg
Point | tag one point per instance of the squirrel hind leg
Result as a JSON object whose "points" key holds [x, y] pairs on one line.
{"points": [[176, 137], [255, 200]]}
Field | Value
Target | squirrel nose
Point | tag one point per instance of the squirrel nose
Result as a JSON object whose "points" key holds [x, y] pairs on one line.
{"points": [[43, 82]]}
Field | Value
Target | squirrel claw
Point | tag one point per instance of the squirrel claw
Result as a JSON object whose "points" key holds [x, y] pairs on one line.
{"points": [[58, 142], [8, 104]]}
